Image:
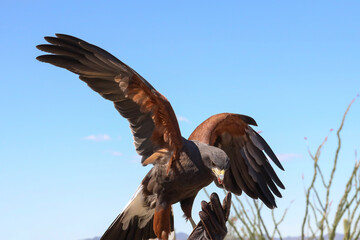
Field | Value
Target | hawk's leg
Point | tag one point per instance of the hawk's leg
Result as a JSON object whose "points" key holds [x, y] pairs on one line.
{"points": [[162, 225], [186, 206]]}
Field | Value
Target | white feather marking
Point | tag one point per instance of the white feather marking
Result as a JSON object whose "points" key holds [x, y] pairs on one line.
{"points": [[172, 236], [136, 207]]}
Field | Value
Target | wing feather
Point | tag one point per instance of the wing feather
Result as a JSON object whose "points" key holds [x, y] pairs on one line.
{"points": [[151, 117], [264, 193], [262, 145]]}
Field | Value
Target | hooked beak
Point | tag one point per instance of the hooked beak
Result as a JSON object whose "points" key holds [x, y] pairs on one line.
{"points": [[219, 174]]}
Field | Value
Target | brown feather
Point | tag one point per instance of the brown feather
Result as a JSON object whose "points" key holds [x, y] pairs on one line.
{"points": [[167, 131], [156, 156]]}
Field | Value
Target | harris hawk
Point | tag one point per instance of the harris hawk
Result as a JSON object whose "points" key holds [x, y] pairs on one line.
{"points": [[224, 148]]}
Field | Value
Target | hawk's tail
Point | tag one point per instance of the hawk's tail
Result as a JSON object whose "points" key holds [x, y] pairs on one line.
{"points": [[135, 222]]}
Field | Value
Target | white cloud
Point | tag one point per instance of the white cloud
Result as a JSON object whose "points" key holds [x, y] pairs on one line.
{"points": [[182, 119], [97, 138], [284, 157], [115, 153]]}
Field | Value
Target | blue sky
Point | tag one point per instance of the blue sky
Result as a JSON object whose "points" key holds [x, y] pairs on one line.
{"points": [[67, 162]]}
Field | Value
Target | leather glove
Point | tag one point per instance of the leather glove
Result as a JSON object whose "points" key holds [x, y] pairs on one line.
{"points": [[213, 217]]}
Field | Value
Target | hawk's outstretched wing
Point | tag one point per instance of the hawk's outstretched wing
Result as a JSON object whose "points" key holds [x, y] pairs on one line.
{"points": [[152, 119]]}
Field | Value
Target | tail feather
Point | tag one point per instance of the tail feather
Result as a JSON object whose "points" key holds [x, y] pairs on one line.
{"points": [[135, 222]]}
